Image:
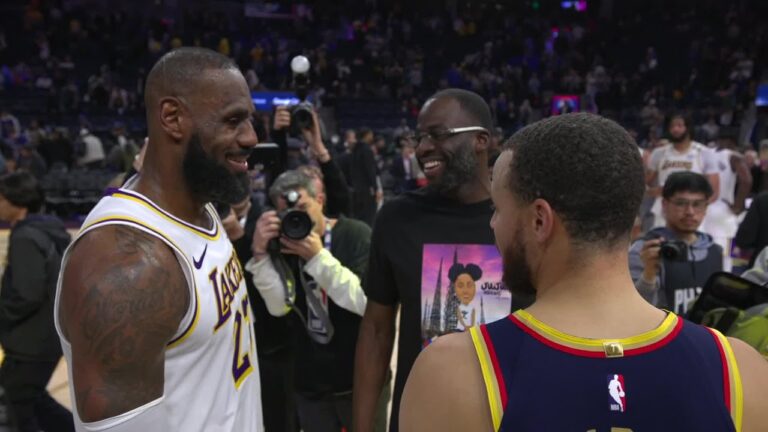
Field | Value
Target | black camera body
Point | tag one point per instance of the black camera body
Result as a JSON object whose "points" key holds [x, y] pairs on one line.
{"points": [[674, 250], [671, 250], [301, 117], [294, 224]]}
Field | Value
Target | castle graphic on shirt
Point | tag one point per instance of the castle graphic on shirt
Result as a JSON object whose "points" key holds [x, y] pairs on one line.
{"points": [[461, 287]]}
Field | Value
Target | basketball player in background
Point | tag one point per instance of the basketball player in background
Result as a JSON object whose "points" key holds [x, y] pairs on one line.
{"points": [[152, 309], [590, 353], [681, 154], [721, 221]]}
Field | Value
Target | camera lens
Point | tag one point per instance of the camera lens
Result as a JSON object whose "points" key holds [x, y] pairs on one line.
{"points": [[302, 116], [296, 225], [674, 251]]}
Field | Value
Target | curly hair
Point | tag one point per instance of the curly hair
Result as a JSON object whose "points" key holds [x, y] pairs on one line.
{"points": [[588, 168], [473, 270]]}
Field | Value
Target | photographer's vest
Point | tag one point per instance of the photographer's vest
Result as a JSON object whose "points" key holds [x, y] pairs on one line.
{"points": [[681, 282]]}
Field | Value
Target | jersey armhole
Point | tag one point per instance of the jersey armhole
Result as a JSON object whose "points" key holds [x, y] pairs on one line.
{"points": [[733, 392], [493, 382], [189, 321]]}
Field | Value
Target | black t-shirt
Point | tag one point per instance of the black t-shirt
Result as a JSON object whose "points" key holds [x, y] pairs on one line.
{"points": [[425, 255]]}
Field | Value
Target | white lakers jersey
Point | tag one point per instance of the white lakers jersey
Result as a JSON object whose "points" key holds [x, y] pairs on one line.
{"points": [[666, 160], [727, 176], [211, 369]]}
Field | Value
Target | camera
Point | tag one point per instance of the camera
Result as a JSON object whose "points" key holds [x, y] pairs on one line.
{"points": [[294, 224], [301, 113], [674, 250]]}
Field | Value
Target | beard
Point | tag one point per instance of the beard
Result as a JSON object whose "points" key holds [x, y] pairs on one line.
{"points": [[210, 180], [517, 270], [678, 139], [460, 168]]}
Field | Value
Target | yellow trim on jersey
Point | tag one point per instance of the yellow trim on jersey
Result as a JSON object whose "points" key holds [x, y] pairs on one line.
{"points": [[489, 376], [598, 345], [734, 379], [121, 218], [191, 328], [172, 219]]}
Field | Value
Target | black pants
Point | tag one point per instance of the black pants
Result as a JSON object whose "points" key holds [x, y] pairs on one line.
{"points": [[30, 407], [328, 414], [278, 406], [333, 412]]}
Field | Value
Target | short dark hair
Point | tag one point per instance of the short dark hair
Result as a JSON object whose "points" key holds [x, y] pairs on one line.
{"points": [[686, 120], [686, 181], [588, 168], [177, 72], [22, 190], [472, 104]]}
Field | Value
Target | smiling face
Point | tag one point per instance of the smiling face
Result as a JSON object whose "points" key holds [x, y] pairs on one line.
{"points": [[450, 161], [215, 164]]}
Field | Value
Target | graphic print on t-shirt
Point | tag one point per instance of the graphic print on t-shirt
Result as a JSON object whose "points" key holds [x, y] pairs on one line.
{"points": [[460, 287]]}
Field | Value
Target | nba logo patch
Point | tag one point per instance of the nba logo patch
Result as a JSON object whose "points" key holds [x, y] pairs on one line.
{"points": [[617, 393]]}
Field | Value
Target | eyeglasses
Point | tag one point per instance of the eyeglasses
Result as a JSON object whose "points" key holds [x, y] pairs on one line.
{"points": [[682, 204], [442, 135]]}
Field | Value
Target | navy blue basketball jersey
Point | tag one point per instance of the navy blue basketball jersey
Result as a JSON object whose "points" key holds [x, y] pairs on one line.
{"points": [[677, 377]]}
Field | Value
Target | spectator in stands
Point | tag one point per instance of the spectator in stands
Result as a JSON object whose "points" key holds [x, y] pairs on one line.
{"points": [[57, 149], [124, 150], [363, 177], [10, 128], [35, 133], [27, 332], [405, 168], [90, 149], [29, 160]]}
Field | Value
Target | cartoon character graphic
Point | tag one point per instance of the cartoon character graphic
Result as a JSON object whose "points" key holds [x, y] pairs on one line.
{"points": [[464, 278], [460, 287]]}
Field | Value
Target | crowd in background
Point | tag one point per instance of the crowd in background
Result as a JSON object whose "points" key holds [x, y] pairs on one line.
{"points": [[703, 57]]}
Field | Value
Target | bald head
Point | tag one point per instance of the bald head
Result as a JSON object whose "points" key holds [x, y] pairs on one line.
{"points": [[178, 73]]}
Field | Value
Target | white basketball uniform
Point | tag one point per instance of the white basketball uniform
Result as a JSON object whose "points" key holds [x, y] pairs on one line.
{"points": [[666, 160], [211, 368], [720, 222]]}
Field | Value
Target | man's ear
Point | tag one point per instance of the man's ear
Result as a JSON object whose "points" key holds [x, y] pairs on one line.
{"points": [[543, 220], [482, 141], [172, 117]]}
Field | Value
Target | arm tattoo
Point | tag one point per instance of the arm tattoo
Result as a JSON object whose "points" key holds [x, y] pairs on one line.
{"points": [[130, 305]]}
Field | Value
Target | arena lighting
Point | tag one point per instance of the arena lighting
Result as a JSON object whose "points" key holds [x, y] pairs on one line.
{"points": [[579, 5]]}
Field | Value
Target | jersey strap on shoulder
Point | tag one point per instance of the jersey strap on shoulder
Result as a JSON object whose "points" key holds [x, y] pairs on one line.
{"points": [[492, 375], [732, 389]]}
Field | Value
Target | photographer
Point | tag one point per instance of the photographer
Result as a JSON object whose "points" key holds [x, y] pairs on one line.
{"points": [[319, 278], [337, 193], [671, 264]]}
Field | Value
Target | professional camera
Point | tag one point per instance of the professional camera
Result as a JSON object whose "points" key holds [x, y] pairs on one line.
{"points": [[674, 250], [301, 113], [294, 224]]}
